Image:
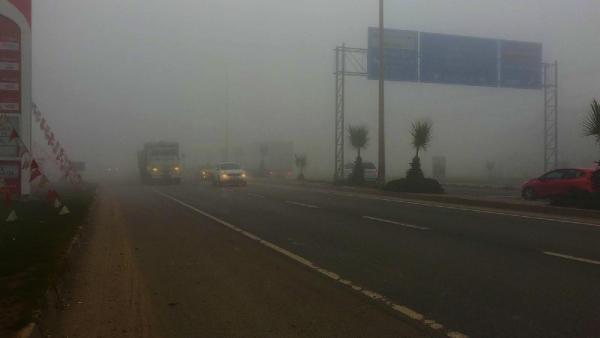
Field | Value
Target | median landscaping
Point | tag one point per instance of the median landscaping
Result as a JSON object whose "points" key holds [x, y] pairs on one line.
{"points": [[32, 251]]}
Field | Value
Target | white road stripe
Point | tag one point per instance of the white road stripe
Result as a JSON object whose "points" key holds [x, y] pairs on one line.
{"points": [[435, 205], [538, 218], [396, 223], [302, 204], [573, 258], [256, 195], [332, 275]]}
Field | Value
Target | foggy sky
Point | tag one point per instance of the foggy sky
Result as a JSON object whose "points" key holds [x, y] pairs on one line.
{"points": [[110, 75]]}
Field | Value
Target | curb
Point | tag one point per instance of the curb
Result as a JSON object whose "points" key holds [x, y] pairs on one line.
{"points": [[543, 209], [481, 186]]}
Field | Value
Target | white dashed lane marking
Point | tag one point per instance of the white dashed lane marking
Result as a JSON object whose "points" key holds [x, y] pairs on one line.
{"points": [[573, 258], [302, 204], [435, 205], [256, 195], [332, 275], [410, 226]]}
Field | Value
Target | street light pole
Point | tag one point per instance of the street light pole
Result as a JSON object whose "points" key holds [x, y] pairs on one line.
{"points": [[381, 176]]}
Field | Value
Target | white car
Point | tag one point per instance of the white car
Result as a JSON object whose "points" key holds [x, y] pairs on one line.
{"points": [[229, 173], [369, 167]]}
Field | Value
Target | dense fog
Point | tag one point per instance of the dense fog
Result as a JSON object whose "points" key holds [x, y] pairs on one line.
{"points": [[110, 75]]}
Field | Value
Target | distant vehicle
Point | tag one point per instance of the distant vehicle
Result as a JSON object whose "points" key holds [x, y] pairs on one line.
{"points": [[369, 167], [204, 174], [160, 162], [229, 173], [562, 183]]}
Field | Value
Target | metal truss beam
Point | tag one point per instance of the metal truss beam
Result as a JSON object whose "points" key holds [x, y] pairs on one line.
{"points": [[550, 73], [348, 62]]}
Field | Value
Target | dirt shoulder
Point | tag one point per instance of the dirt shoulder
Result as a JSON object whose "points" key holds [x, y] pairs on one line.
{"points": [[146, 267], [32, 251], [103, 293]]}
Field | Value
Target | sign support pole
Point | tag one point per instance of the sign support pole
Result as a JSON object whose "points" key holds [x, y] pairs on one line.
{"points": [[381, 133], [550, 85]]}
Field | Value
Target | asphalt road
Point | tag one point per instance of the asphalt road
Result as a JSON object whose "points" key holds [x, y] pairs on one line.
{"points": [[273, 259], [150, 267], [483, 274]]}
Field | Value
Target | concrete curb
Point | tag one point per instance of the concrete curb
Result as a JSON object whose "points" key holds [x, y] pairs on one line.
{"points": [[481, 186], [485, 203]]}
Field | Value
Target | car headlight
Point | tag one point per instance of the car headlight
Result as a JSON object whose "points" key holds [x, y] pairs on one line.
{"points": [[224, 176], [243, 175], [154, 169], [176, 168]]}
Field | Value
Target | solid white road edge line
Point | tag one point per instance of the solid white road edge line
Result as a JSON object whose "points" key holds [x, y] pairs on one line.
{"points": [[255, 195], [396, 223], [573, 258], [302, 204], [373, 295], [557, 220]]}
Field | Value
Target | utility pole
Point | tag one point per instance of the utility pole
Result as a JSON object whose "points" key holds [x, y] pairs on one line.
{"points": [[381, 176], [227, 113]]}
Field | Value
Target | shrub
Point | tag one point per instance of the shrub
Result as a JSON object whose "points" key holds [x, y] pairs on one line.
{"points": [[415, 185]]}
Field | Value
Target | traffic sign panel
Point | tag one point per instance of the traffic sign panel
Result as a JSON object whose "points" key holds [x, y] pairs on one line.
{"points": [[400, 55]]}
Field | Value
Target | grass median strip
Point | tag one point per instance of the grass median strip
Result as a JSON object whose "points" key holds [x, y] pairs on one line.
{"points": [[32, 251]]}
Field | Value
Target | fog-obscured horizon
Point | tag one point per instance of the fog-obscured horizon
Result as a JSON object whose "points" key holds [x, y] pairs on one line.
{"points": [[111, 75]]}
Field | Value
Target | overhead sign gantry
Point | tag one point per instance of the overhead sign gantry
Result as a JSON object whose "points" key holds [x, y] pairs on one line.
{"points": [[413, 56]]}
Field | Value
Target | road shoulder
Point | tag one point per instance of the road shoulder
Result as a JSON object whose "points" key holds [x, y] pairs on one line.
{"points": [[103, 293]]}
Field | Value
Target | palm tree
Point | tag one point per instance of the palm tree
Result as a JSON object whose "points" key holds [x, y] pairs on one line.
{"points": [[359, 138], [301, 163], [591, 126], [421, 134]]}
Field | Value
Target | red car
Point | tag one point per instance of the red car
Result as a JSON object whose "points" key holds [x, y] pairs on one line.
{"points": [[563, 183]]}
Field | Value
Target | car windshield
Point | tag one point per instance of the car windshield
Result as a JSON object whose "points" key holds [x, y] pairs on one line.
{"points": [[187, 168], [165, 152]]}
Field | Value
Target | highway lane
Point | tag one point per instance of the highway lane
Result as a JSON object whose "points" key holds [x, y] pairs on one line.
{"points": [[203, 280], [480, 273], [519, 230]]}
